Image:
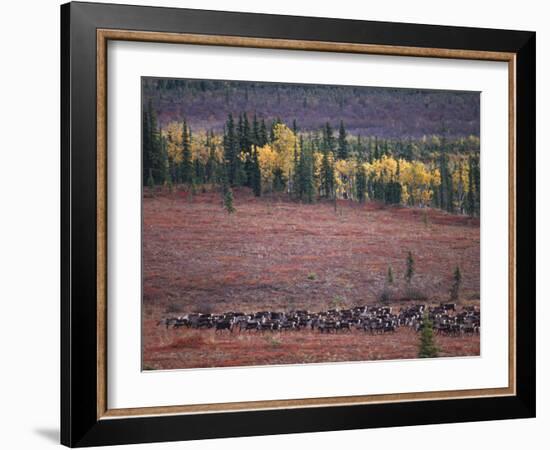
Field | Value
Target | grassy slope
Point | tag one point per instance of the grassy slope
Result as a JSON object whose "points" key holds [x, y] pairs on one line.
{"points": [[281, 255]]}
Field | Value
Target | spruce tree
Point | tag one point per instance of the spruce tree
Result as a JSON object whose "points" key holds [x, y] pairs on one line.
{"points": [[165, 165], [386, 148], [446, 188], [306, 183], [199, 171], [146, 147], [327, 174], [152, 146], [327, 168], [247, 138], [328, 138], [389, 278], [296, 191], [444, 194], [360, 150], [240, 134], [224, 181], [231, 152], [394, 193], [397, 188], [256, 176], [211, 163], [342, 142], [361, 183], [308, 180], [279, 180], [409, 273], [246, 147], [427, 347], [187, 162], [262, 135], [470, 196], [228, 201], [299, 171], [450, 192], [477, 191], [256, 132], [436, 195], [376, 151], [156, 148], [370, 156], [455, 288]]}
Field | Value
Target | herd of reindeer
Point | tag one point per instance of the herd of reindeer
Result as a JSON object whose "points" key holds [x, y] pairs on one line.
{"points": [[446, 320]]}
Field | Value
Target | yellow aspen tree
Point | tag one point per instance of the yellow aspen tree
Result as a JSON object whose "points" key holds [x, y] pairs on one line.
{"points": [[173, 134]]}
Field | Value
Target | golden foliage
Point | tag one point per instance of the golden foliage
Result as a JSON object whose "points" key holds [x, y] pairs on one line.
{"points": [[279, 155], [383, 169], [268, 163], [344, 175], [173, 135], [415, 177], [199, 150]]}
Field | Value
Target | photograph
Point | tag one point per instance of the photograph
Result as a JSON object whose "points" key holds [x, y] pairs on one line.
{"points": [[303, 223]]}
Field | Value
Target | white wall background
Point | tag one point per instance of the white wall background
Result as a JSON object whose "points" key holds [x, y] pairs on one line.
{"points": [[29, 224]]}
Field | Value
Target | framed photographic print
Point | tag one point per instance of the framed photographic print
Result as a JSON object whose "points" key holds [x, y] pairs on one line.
{"points": [[276, 224]]}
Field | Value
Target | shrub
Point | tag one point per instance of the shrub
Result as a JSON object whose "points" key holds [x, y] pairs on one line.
{"points": [[337, 301], [273, 341]]}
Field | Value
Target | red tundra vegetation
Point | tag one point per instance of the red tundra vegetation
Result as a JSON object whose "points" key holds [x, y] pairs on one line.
{"points": [[279, 255]]}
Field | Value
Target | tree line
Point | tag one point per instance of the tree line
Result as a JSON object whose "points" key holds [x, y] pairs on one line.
{"points": [[309, 165]]}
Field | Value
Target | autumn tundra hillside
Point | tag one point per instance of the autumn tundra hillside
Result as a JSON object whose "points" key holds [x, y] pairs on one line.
{"points": [[276, 254]]}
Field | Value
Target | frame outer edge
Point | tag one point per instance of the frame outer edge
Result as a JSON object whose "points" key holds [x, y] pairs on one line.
{"points": [[65, 389], [79, 251], [79, 428], [526, 224]]}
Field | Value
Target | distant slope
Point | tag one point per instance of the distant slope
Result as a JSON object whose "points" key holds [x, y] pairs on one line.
{"points": [[384, 112]]}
